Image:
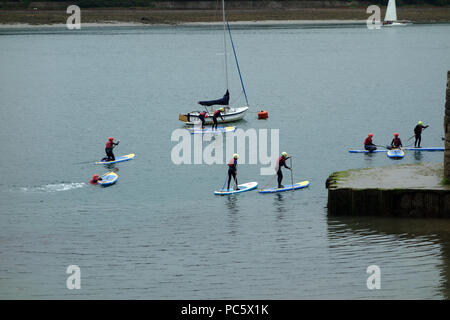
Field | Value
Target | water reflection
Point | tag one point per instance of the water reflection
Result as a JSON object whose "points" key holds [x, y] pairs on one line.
{"points": [[233, 211], [424, 244], [279, 205], [418, 155]]}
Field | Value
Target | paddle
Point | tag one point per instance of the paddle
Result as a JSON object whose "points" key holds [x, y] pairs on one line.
{"points": [[415, 135], [292, 176]]}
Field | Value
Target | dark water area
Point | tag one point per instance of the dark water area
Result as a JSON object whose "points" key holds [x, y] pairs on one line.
{"points": [[160, 232]]}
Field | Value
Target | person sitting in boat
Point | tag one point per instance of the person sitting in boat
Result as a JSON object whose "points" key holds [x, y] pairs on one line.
{"points": [[281, 163], [95, 179], [110, 144], [232, 170], [217, 113], [418, 133], [202, 117], [396, 142], [368, 144]]}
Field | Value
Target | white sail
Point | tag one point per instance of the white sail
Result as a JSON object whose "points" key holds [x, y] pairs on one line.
{"points": [[391, 12]]}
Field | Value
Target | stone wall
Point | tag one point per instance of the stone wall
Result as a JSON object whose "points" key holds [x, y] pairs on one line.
{"points": [[390, 203], [447, 130]]}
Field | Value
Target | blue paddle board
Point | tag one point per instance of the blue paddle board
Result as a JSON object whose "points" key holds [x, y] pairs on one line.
{"points": [[118, 159], [243, 188], [396, 154], [108, 179], [298, 185], [365, 151], [425, 149], [210, 130]]}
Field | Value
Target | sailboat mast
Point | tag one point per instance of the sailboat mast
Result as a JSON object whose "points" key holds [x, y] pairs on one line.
{"points": [[225, 44]]}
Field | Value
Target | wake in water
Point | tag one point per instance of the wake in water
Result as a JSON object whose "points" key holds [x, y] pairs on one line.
{"points": [[54, 187]]}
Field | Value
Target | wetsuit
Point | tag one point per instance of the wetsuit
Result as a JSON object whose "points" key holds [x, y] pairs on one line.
{"points": [[281, 163], [217, 114], [202, 116], [418, 134], [368, 145], [232, 171], [396, 143], [109, 150], [95, 180]]}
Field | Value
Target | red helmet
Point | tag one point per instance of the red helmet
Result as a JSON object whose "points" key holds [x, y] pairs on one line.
{"points": [[206, 116], [95, 176], [396, 134], [110, 138], [370, 134]]}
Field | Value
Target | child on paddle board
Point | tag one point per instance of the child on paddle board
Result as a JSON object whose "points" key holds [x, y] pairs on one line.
{"points": [[418, 134], [396, 142], [95, 179], [110, 144], [368, 144], [282, 163], [217, 113], [232, 170]]}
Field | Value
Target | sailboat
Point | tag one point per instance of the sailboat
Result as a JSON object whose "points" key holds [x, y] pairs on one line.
{"points": [[230, 113], [390, 19]]}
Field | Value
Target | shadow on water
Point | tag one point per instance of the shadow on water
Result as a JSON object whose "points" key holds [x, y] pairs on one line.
{"points": [[434, 231]]}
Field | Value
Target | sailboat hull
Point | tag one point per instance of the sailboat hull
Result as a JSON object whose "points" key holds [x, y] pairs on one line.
{"points": [[230, 115]]}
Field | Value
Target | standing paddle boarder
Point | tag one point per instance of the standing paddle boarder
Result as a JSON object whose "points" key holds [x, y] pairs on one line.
{"points": [[232, 170], [396, 142], [281, 163], [368, 144], [217, 114], [202, 117], [418, 133], [110, 144]]}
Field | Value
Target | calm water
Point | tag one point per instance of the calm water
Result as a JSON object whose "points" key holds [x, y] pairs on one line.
{"points": [[160, 233]]}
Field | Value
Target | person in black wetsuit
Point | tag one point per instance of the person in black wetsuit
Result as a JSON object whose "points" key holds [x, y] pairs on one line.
{"points": [[368, 144], [217, 114], [202, 117], [232, 170], [282, 163], [109, 149], [396, 142], [418, 134]]}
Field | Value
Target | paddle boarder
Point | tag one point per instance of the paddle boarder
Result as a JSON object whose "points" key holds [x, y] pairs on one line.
{"points": [[110, 144], [418, 134], [95, 179], [282, 163], [368, 144], [396, 142], [217, 113], [232, 170], [202, 117]]}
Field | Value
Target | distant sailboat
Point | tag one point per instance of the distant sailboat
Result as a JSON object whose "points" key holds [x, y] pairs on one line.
{"points": [[230, 113], [390, 19]]}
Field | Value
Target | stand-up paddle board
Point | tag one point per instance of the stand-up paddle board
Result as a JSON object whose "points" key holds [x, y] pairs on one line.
{"points": [[118, 159], [210, 130], [108, 179], [396, 154], [366, 151], [243, 187], [425, 149], [298, 185]]}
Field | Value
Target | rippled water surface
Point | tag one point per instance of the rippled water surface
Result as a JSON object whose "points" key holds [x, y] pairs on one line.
{"points": [[160, 232]]}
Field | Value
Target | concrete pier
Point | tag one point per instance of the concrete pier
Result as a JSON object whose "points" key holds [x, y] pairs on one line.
{"points": [[420, 190], [399, 190]]}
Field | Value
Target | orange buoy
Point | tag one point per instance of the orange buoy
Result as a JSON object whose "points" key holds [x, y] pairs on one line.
{"points": [[263, 114]]}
